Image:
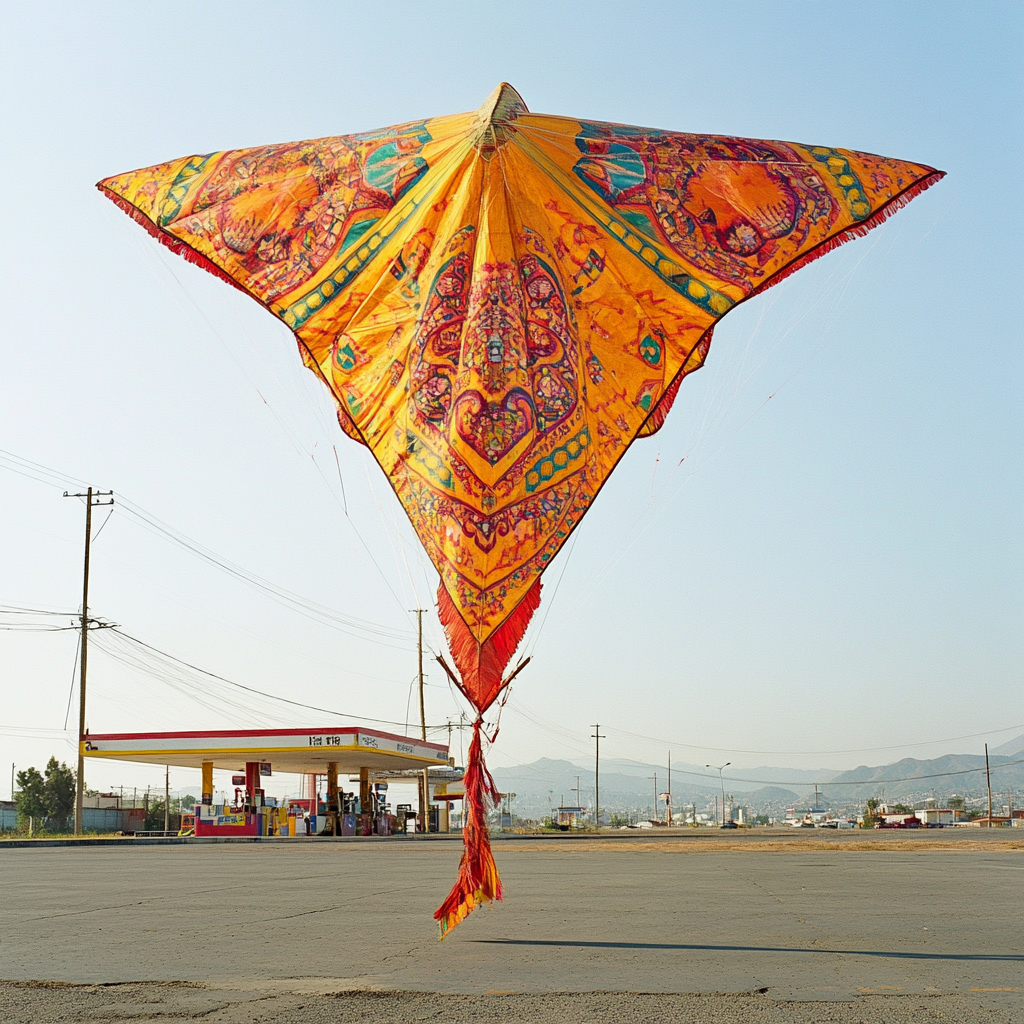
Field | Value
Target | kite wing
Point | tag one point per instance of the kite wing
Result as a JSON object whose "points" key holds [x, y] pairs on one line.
{"points": [[500, 303]]}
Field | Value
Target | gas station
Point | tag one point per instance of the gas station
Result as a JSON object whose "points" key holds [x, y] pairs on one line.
{"points": [[367, 756]]}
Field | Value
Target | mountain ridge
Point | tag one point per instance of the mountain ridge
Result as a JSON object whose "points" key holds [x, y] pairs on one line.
{"points": [[543, 784]]}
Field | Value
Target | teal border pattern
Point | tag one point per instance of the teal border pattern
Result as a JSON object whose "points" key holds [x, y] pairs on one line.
{"points": [[556, 461], [175, 198], [843, 175]]}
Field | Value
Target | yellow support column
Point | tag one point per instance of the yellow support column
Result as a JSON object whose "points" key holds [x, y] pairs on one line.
{"points": [[207, 782]]}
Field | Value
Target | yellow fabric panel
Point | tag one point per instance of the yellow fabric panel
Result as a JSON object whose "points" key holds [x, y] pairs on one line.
{"points": [[498, 301]]}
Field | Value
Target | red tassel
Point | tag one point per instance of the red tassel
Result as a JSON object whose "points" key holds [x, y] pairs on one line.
{"points": [[478, 880], [481, 665]]}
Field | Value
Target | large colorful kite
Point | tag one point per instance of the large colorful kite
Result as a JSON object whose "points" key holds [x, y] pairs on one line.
{"points": [[500, 303]]}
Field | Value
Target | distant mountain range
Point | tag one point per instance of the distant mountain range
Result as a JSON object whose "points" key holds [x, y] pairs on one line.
{"points": [[1011, 747], [630, 786]]}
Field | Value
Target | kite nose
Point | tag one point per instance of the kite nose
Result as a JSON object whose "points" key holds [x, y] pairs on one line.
{"points": [[504, 104], [493, 121]]}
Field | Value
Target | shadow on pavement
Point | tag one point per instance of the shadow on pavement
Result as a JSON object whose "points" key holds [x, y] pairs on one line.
{"points": [[756, 949]]}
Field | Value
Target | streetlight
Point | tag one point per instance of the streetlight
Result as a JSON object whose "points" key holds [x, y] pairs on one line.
{"points": [[721, 777]]}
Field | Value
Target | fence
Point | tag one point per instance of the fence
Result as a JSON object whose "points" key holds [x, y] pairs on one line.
{"points": [[94, 819]]}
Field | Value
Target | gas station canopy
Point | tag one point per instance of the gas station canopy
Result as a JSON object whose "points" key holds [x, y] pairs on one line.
{"points": [[303, 751]]}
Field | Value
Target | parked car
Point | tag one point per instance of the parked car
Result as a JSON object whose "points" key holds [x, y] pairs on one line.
{"points": [[728, 824]]}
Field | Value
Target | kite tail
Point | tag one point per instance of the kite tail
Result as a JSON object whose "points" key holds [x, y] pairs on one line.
{"points": [[481, 668], [478, 880]]}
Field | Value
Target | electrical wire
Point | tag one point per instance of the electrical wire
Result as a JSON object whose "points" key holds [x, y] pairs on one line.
{"points": [[386, 636], [240, 686], [845, 782], [673, 744], [348, 624]]}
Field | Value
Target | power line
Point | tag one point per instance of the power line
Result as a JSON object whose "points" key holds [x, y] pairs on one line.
{"points": [[852, 782], [250, 689], [386, 636], [795, 753]]}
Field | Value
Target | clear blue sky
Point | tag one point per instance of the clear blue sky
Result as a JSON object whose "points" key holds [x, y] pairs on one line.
{"points": [[835, 566]]}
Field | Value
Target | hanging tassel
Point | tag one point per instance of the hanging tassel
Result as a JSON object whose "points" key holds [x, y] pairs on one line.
{"points": [[481, 668], [478, 880]]}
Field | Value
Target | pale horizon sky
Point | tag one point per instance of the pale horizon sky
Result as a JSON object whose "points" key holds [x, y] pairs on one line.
{"points": [[817, 563]]}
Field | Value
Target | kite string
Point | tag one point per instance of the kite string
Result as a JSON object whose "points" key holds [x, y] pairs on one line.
{"points": [[71, 690], [296, 444], [656, 506]]}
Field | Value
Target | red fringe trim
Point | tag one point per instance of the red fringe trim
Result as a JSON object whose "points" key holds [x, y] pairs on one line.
{"points": [[478, 880], [883, 213], [186, 252], [659, 414], [176, 245], [481, 665], [657, 418]]}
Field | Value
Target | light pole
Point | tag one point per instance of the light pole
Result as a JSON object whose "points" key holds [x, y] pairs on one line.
{"points": [[722, 779]]}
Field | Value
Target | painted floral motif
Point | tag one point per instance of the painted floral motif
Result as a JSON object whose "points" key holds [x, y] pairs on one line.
{"points": [[502, 302]]}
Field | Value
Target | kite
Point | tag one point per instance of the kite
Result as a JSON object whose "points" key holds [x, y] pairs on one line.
{"points": [[500, 303]]}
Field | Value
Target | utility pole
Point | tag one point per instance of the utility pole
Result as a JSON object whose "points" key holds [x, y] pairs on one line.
{"points": [[91, 499], [654, 808], [597, 737], [167, 798], [988, 782], [424, 778], [579, 797], [668, 812]]}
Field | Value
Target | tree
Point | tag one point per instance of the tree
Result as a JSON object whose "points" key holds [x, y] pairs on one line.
{"points": [[869, 813], [60, 792], [30, 800], [155, 817], [49, 800]]}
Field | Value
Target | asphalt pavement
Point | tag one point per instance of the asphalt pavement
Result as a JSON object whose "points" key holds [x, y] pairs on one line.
{"points": [[752, 929]]}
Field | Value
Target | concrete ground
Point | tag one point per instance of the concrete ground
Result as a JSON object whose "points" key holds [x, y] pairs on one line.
{"points": [[794, 928]]}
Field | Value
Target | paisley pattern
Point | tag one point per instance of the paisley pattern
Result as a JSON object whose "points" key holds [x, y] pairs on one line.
{"points": [[501, 302]]}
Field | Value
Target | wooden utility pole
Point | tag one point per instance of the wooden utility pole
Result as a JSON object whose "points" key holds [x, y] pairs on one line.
{"points": [[91, 497], [597, 737], [668, 811], [424, 778], [988, 783]]}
